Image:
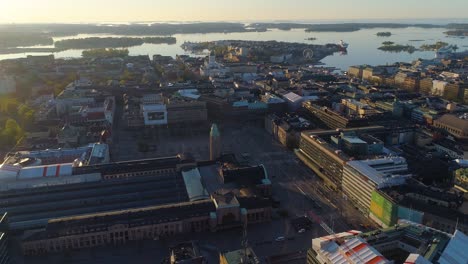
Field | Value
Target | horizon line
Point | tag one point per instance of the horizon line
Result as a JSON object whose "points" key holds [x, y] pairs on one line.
{"points": [[298, 21]]}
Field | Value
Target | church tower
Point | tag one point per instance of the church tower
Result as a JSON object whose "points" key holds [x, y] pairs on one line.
{"points": [[212, 58], [215, 143]]}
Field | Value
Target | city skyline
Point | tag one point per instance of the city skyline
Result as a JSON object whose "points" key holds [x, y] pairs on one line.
{"points": [[54, 11]]}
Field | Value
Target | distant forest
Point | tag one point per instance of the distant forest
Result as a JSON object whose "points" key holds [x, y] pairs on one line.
{"points": [[95, 43]]}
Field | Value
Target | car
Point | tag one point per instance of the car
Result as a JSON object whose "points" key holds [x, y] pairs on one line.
{"points": [[302, 230], [280, 239]]}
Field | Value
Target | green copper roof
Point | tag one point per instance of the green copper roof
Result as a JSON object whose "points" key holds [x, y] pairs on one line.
{"points": [[214, 131]]}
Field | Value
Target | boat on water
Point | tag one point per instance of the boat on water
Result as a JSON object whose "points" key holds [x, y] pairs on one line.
{"points": [[343, 44]]}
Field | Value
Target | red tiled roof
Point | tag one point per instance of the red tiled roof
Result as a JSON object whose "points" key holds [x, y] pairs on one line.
{"points": [[376, 260]]}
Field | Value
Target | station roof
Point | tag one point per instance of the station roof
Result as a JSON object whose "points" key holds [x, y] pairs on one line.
{"points": [[132, 217], [193, 185]]}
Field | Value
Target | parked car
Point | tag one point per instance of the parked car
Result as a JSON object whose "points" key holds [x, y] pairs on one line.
{"points": [[280, 239]]}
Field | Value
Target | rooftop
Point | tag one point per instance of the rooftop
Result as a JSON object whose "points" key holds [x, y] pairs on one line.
{"points": [[352, 250], [133, 217], [455, 122], [455, 252], [427, 241], [237, 256], [292, 97], [354, 140], [185, 253], [384, 172], [193, 184], [379, 246]]}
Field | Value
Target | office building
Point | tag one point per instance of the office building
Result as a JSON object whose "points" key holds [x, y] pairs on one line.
{"points": [[356, 71], [326, 152], [454, 125], [362, 177], [340, 115], [287, 129], [436, 208]]}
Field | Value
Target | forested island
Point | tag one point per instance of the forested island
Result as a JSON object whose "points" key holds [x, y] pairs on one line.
{"points": [[105, 53], [24, 50], [94, 43], [18, 39], [397, 47], [458, 32], [338, 27], [333, 28], [392, 47], [457, 29], [436, 46], [384, 34], [161, 29]]}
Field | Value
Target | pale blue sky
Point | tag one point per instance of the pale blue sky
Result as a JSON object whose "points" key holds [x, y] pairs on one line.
{"points": [[19, 11]]}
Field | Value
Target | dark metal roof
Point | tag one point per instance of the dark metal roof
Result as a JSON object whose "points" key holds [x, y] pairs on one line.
{"points": [[131, 166], [131, 217]]}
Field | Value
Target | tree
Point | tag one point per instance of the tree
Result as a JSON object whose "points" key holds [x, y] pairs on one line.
{"points": [[105, 53], [11, 133], [159, 70], [8, 105], [12, 127]]}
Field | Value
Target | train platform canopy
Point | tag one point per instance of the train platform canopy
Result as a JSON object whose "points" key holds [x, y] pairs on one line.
{"points": [[193, 184]]}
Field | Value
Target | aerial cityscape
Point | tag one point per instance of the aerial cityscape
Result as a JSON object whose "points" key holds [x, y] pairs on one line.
{"points": [[250, 132]]}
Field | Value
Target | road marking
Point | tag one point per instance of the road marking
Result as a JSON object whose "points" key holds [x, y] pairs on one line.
{"points": [[300, 190]]}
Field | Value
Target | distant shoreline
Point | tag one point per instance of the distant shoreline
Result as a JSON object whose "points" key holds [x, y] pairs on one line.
{"points": [[92, 43]]}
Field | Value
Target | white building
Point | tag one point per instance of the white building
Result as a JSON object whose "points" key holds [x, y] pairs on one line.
{"points": [[280, 58], [190, 93], [438, 87], [362, 177], [211, 68], [293, 100], [15, 177], [73, 97], [154, 114]]}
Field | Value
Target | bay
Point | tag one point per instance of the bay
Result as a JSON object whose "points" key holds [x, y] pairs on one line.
{"points": [[362, 49]]}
